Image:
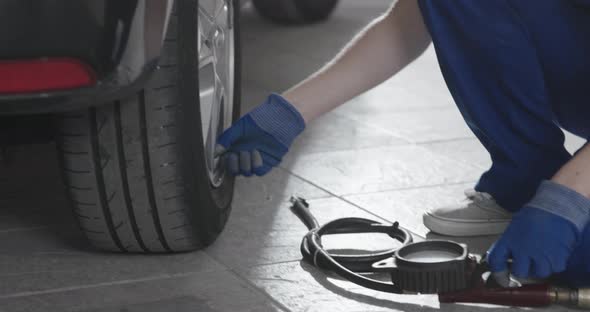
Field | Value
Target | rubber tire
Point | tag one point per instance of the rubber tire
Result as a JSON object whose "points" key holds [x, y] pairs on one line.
{"points": [[295, 11], [135, 169]]}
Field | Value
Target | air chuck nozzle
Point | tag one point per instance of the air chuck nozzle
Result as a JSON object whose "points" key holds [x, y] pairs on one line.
{"points": [[579, 298], [584, 298]]}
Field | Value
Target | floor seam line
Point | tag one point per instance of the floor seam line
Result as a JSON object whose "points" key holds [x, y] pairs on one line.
{"points": [[421, 145], [448, 140], [252, 285], [410, 188], [274, 263], [98, 285], [403, 136], [349, 202], [25, 229], [331, 194], [371, 126], [352, 149]]}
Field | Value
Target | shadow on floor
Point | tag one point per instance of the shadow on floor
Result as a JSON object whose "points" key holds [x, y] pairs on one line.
{"points": [[32, 196], [322, 279]]}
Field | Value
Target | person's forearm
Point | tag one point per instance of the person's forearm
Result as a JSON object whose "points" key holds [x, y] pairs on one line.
{"points": [[385, 47], [576, 173]]}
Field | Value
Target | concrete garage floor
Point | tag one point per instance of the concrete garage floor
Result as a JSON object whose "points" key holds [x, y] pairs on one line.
{"points": [[390, 154]]}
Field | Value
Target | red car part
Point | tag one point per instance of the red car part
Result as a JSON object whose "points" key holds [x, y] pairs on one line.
{"points": [[44, 75]]}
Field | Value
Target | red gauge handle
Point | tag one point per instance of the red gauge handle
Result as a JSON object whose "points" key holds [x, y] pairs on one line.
{"points": [[525, 296]]}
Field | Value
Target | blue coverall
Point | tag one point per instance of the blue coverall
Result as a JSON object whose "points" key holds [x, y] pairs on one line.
{"points": [[518, 70]]}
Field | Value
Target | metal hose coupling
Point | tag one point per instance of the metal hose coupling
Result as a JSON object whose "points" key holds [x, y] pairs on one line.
{"points": [[579, 298]]}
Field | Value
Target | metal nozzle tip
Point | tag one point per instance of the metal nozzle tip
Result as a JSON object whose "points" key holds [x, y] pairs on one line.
{"points": [[298, 200], [583, 298]]}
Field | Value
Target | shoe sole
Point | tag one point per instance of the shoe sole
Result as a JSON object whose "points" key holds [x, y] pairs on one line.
{"points": [[462, 228]]}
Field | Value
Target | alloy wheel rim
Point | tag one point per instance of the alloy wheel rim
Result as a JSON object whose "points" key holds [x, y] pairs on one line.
{"points": [[216, 78]]}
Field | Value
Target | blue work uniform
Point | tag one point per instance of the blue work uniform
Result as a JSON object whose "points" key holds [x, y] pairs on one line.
{"points": [[518, 70]]}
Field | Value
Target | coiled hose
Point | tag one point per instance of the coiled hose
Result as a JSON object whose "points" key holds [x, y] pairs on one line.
{"points": [[347, 266]]}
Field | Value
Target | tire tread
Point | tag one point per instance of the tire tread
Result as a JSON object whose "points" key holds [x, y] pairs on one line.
{"points": [[148, 174], [124, 179]]}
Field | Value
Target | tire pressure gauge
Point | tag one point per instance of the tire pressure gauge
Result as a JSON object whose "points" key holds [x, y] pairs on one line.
{"points": [[426, 267], [429, 267]]}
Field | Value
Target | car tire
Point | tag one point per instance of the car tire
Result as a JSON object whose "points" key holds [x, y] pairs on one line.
{"points": [[295, 11], [137, 169]]}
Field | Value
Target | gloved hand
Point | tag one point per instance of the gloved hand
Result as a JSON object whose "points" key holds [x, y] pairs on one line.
{"points": [[543, 234], [258, 141], [577, 273]]}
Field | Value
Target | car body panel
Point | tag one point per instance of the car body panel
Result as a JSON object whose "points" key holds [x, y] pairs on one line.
{"points": [[120, 39]]}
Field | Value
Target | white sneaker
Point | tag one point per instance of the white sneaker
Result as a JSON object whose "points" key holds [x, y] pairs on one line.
{"points": [[478, 215]]}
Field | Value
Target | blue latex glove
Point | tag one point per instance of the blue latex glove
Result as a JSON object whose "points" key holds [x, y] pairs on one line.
{"points": [[577, 273], [258, 141], [543, 234]]}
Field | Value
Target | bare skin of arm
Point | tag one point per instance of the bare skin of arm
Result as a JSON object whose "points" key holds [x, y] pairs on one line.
{"points": [[381, 50], [576, 173]]}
